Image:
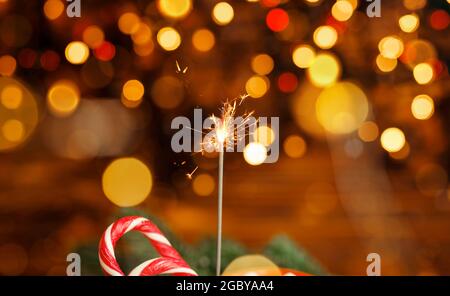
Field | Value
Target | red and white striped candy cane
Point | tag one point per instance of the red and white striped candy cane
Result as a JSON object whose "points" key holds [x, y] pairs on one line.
{"points": [[170, 261]]}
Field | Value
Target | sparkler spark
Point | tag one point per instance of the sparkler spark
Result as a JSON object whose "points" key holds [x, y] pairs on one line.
{"points": [[226, 131]]}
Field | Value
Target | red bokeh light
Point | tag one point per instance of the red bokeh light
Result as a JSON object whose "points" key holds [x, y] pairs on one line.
{"points": [[287, 82], [105, 52], [277, 20], [50, 60], [27, 58], [439, 20]]}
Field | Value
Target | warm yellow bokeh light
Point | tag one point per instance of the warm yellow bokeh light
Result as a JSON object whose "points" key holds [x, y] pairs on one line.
{"points": [[127, 182], [409, 23], [262, 64], [133, 90], [325, 37], [63, 98], [175, 8], [13, 130], [93, 36], [422, 107], [168, 38], [423, 73], [391, 47], [368, 131], [11, 97], [257, 86], [144, 50], [77, 52], [252, 265], [294, 146], [203, 185], [414, 4], [385, 64], [392, 139], [264, 135], [53, 9], [203, 40], [342, 108], [342, 10], [255, 153], [143, 34], [129, 23], [324, 70], [303, 56], [222, 13]]}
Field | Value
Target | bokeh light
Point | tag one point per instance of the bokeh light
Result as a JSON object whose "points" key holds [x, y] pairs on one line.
{"points": [[255, 153], [203, 40], [77, 52], [303, 56], [203, 185], [13, 130], [252, 265], [257, 86], [127, 182], [342, 108], [8, 65], [294, 146], [325, 37], [18, 113], [63, 98], [11, 97], [324, 70], [392, 139], [93, 36], [262, 64], [53, 9], [264, 135], [223, 13], [368, 131], [422, 107], [129, 23], [423, 73], [143, 34], [287, 82], [277, 20], [409, 23], [385, 64], [175, 8], [439, 20], [391, 47], [342, 10], [169, 38], [133, 90]]}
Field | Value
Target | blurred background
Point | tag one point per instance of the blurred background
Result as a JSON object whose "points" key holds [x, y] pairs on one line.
{"points": [[86, 106]]}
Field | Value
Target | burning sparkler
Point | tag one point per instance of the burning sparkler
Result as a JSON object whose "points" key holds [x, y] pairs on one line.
{"points": [[226, 132]]}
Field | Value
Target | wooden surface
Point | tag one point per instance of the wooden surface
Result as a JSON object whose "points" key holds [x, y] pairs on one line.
{"points": [[50, 205]]}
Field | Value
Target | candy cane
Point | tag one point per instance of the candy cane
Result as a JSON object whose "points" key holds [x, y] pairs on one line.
{"points": [[170, 261]]}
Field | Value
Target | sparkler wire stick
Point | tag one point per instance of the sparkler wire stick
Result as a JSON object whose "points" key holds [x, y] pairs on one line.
{"points": [[219, 212]]}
